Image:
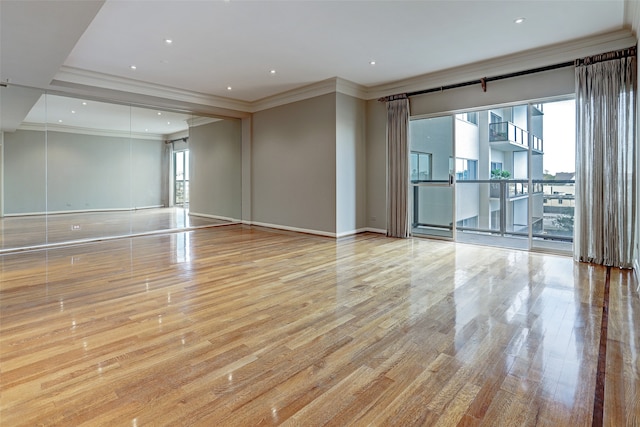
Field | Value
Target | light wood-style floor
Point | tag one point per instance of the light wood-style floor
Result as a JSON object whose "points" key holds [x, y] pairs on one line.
{"points": [[19, 232], [240, 326]]}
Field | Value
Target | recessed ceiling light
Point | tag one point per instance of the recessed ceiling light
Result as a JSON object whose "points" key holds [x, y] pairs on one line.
{"points": [[372, 62], [518, 20], [59, 121], [84, 103], [229, 88], [168, 123], [159, 113], [168, 41], [272, 72], [133, 67], [146, 130], [73, 111]]}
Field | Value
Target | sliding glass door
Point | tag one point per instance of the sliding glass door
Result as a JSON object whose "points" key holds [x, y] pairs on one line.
{"points": [[504, 176], [431, 180]]}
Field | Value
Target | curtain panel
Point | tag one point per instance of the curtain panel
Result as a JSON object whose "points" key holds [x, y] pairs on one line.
{"points": [[398, 166], [605, 160]]}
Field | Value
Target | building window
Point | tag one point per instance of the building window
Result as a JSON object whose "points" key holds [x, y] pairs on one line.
{"points": [[466, 169], [496, 166], [420, 166]]}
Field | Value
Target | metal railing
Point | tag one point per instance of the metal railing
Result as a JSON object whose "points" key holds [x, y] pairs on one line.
{"points": [[507, 131]]}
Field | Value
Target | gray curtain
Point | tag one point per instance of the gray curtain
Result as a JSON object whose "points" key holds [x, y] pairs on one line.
{"points": [[605, 156], [398, 166]]}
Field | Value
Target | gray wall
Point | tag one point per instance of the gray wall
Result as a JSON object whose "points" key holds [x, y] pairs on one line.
{"points": [[350, 164], [376, 156], [83, 172], [216, 169], [24, 172], [293, 159]]}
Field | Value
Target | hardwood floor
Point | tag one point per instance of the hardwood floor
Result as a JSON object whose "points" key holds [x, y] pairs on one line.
{"points": [[19, 232], [238, 326]]}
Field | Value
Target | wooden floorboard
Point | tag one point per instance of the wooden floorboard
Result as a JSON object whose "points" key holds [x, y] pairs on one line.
{"points": [[246, 326]]}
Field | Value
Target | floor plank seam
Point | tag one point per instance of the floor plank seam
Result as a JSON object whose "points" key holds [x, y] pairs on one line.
{"points": [[598, 400]]}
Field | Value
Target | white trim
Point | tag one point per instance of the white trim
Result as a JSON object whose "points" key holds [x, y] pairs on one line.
{"points": [[50, 127], [306, 92], [67, 77], [375, 230], [223, 218], [138, 208], [295, 229], [108, 81], [360, 231], [534, 58]]}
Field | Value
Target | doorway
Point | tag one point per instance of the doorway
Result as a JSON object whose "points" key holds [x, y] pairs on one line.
{"points": [[181, 178], [502, 176]]}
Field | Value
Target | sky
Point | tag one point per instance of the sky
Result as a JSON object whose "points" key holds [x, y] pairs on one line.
{"points": [[559, 136]]}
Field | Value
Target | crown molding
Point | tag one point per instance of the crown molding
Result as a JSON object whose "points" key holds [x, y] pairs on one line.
{"points": [[534, 58], [50, 127], [107, 81], [200, 121], [322, 87]]}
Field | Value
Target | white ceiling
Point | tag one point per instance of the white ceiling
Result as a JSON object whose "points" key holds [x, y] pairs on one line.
{"points": [[236, 43]]}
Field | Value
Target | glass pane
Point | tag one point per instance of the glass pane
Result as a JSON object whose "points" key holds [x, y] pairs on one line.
{"points": [[23, 165], [431, 167], [554, 185]]}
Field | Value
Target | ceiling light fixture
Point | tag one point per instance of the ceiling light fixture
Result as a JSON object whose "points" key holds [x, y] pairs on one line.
{"points": [[59, 121], [372, 62], [518, 20], [229, 87], [168, 41], [168, 123], [73, 111], [133, 67], [159, 113], [84, 103], [272, 72]]}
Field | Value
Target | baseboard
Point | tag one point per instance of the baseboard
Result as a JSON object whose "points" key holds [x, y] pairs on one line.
{"points": [[295, 229], [220, 217], [77, 211], [361, 230], [316, 232]]}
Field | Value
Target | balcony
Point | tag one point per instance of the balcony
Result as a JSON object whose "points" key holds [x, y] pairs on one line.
{"points": [[512, 189], [508, 137]]}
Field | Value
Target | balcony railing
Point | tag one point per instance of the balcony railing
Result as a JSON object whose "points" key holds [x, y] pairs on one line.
{"points": [[512, 208], [508, 132]]}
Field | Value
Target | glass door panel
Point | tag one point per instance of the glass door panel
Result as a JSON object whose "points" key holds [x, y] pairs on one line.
{"points": [[431, 177]]}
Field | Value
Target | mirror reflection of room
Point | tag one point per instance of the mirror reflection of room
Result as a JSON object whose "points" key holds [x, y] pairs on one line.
{"points": [[77, 170]]}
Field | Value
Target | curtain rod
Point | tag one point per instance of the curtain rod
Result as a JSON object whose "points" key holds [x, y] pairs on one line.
{"points": [[483, 81], [575, 63], [617, 54], [171, 141]]}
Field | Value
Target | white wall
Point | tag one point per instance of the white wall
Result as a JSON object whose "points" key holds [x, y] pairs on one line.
{"points": [[294, 165], [350, 164], [215, 187]]}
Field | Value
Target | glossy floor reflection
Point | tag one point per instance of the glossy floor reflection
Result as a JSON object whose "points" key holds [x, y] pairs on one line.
{"points": [[247, 326], [38, 230]]}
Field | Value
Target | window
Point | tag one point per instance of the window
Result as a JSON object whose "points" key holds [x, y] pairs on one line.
{"points": [[420, 166], [495, 118], [466, 169], [496, 166]]}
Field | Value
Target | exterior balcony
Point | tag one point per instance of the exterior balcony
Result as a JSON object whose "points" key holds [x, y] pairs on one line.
{"points": [[505, 136]]}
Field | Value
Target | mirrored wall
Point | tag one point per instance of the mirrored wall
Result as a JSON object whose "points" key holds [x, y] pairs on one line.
{"points": [[75, 170]]}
